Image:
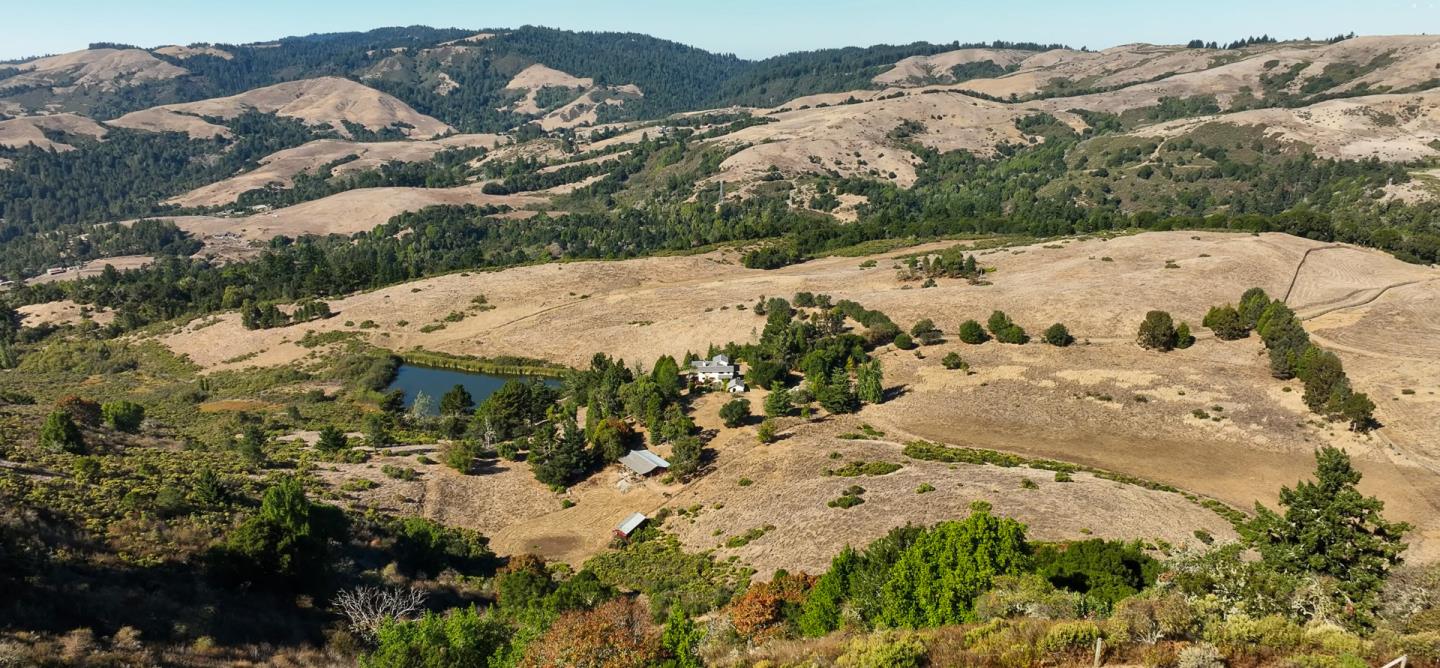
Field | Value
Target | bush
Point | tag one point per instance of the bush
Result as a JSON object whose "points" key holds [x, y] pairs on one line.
{"points": [[1028, 595], [460, 637], [894, 649], [1241, 633], [735, 412], [953, 361], [1013, 334], [123, 416], [1151, 618], [972, 333], [1070, 637], [1202, 655], [60, 434], [998, 322], [1226, 322], [904, 342], [1058, 335], [765, 433], [1183, 338], [461, 455], [1157, 332]]}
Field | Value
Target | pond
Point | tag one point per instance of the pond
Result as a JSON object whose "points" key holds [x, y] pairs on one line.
{"points": [[436, 382]]}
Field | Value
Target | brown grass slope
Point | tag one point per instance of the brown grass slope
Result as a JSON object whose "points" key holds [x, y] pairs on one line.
{"points": [[1391, 128], [31, 130], [1075, 404], [105, 69], [279, 169], [326, 100]]}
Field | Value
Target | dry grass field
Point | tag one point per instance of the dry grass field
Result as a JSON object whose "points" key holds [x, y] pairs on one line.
{"points": [[1103, 402], [331, 100], [279, 169]]}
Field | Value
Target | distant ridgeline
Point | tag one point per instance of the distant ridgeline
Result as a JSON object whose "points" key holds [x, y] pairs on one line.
{"points": [[404, 61]]}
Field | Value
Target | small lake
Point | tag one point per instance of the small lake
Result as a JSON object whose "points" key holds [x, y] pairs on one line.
{"points": [[436, 382]]}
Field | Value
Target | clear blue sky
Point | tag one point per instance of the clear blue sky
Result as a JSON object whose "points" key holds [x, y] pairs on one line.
{"points": [[750, 28]]}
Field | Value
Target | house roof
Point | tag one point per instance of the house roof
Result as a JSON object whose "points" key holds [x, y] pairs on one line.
{"points": [[644, 461], [719, 363], [631, 523], [735, 382]]}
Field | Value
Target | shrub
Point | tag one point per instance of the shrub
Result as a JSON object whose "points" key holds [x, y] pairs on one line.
{"points": [[998, 322], [924, 488], [60, 434], [461, 455], [1070, 637], [972, 333], [1201, 655], [1058, 335], [1226, 322], [765, 433], [1183, 337], [1151, 618], [1157, 332], [123, 416], [398, 472], [894, 649], [763, 611], [735, 412], [1013, 334], [936, 579], [953, 361], [925, 332], [904, 342], [1242, 633], [460, 637], [1028, 595]]}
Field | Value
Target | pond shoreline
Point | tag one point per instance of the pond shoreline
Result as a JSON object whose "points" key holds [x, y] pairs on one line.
{"points": [[517, 366]]}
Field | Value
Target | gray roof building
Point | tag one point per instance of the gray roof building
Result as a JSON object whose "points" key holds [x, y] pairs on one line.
{"points": [[644, 462]]}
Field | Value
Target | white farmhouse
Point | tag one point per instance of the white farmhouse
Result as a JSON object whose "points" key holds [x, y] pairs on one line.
{"points": [[717, 370]]}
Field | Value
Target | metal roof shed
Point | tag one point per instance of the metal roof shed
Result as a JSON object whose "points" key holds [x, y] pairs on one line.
{"points": [[630, 524], [644, 462]]}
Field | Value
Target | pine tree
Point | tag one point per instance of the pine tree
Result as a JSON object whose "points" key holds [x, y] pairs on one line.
{"points": [[1329, 528], [60, 434], [559, 456], [681, 640], [331, 440], [779, 403], [457, 401]]}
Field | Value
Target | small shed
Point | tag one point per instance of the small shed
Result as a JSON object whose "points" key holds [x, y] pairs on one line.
{"points": [[630, 524], [735, 386], [644, 462]]}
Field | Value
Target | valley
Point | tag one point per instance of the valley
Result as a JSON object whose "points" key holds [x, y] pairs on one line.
{"points": [[949, 354]]}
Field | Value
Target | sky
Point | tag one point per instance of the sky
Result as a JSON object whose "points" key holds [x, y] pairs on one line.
{"points": [[748, 28]]}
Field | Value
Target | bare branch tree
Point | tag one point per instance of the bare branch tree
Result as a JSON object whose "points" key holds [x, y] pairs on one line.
{"points": [[368, 607]]}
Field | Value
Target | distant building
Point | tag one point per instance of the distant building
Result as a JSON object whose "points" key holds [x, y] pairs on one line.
{"points": [[735, 386], [717, 370], [644, 462], [630, 524]]}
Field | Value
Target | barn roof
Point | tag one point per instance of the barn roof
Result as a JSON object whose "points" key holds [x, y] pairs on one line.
{"points": [[644, 461], [631, 523]]}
